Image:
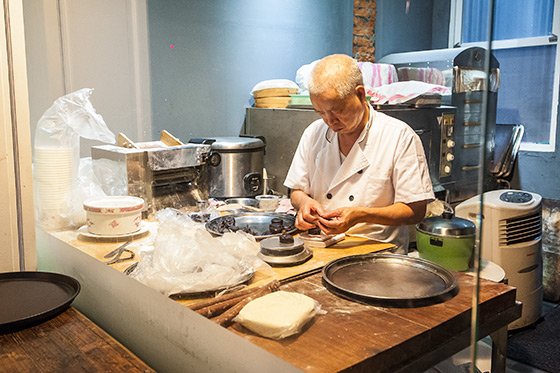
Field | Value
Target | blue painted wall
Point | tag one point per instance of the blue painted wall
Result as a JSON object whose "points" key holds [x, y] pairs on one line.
{"points": [[221, 49], [539, 172], [406, 26]]}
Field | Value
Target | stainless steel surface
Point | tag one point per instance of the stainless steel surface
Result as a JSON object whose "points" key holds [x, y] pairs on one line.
{"points": [[287, 260], [172, 176], [282, 129], [470, 131], [390, 280], [235, 166], [434, 126], [243, 201], [257, 222], [447, 225], [272, 246]]}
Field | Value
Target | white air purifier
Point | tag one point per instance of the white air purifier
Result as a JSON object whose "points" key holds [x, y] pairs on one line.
{"points": [[511, 237]]}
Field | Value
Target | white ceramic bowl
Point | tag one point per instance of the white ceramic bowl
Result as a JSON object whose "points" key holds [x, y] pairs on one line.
{"points": [[114, 215]]}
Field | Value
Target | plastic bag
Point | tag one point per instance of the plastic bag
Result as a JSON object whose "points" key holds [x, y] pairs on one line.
{"points": [[56, 157], [188, 259], [302, 77]]}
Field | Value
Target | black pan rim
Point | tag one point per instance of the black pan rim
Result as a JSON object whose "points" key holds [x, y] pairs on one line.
{"points": [[51, 277], [446, 275]]}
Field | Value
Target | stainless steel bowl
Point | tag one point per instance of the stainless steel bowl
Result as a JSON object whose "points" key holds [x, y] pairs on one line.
{"points": [[256, 222], [243, 201]]}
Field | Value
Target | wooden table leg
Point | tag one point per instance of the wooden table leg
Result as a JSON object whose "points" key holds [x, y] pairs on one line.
{"points": [[499, 345]]}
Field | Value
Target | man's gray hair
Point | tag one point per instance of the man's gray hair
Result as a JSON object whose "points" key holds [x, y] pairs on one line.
{"points": [[337, 71]]}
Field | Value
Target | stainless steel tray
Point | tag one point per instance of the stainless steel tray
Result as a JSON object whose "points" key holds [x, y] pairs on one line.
{"points": [[390, 280], [256, 222]]}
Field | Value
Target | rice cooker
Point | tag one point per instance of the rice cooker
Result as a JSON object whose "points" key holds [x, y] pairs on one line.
{"points": [[446, 240], [235, 166]]}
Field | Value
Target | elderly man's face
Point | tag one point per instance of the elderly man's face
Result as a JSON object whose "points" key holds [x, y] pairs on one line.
{"points": [[344, 116]]}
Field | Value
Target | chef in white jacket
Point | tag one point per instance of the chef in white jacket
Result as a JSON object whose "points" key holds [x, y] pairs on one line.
{"points": [[356, 170]]}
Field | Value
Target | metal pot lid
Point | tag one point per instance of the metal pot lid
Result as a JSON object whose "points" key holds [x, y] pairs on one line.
{"points": [[447, 225], [233, 143]]}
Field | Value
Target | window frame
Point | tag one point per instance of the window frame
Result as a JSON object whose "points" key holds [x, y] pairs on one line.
{"points": [[455, 36]]}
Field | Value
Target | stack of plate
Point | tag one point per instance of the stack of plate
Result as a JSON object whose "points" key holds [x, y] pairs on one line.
{"points": [[274, 93], [52, 169], [274, 97]]}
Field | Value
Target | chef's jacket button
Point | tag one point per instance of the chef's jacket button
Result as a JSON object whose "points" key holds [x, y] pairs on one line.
{"points": [[361, 171], [351, 198], [329, 196]]}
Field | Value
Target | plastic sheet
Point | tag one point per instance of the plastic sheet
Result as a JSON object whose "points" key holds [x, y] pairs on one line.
{"points": [[188, 259], [56, 158]]}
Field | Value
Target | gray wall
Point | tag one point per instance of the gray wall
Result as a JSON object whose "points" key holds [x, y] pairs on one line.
{"points": [[202, 86]]}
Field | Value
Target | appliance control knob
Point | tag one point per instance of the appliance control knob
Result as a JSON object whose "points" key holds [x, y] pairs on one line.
{"points": [[447, 169], [449, 157], [450, 143]]}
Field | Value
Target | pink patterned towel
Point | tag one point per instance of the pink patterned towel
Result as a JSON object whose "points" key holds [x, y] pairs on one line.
{"points": [[421, 74], [377, 74]]}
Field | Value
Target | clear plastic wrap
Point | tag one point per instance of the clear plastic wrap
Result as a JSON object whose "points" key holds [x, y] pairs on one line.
{"points": [[188, 259], [56, 158]]}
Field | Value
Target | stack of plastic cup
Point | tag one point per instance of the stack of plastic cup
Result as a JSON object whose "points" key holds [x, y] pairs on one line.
{"points": [[52, 168]]}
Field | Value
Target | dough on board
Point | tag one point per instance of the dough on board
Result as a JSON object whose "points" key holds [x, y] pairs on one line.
{"points": [[278, 315]]}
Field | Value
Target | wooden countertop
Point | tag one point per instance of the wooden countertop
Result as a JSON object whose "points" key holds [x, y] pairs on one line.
{"points": [[69, 342], [355, 336]]}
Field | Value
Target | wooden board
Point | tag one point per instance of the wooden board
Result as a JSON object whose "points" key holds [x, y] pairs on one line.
{"points": [[380, 339], [68, 343]]}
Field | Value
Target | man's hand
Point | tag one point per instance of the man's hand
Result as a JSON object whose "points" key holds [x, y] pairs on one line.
{"points": [[309, 210], [337, 221]]}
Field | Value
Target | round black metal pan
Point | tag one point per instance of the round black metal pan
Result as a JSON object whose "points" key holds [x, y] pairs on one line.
{"points": [[31, 298], [389, 280]]}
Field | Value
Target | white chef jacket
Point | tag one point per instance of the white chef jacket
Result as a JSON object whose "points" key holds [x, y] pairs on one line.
{"points": [[386, 165]]}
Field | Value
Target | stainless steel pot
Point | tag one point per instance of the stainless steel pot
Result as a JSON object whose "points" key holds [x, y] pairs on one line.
{"points": [[235, 166], [446, 240]]}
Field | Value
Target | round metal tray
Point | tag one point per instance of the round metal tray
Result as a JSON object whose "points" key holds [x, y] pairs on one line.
{"points": [[390, 280], [257, 222]]}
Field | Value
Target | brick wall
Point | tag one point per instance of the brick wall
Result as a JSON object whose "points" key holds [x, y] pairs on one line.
{"points": [[364, 30]]}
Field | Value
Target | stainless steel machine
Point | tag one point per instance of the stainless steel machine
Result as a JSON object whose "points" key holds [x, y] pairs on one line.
{"points": [[282, 129], [165, 173], [475, 119], [235, 166]]}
